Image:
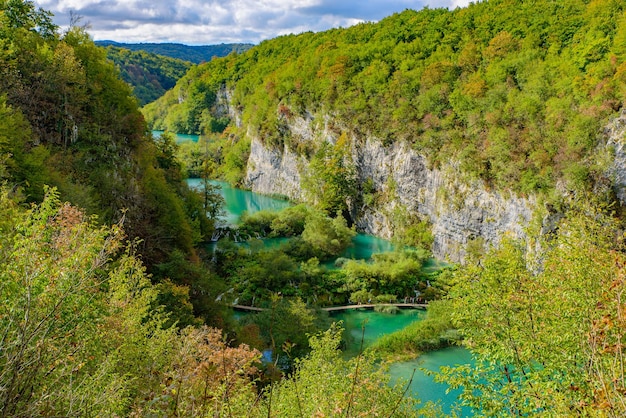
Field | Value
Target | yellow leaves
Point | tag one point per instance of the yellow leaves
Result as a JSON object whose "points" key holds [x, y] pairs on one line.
{"points": [[475, 86], [501, 45], [437, 72]]}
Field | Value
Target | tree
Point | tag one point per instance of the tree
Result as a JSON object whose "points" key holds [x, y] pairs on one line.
{"points": [[331, 178], [324, 384], [327, 237], [545, 337], [77, 330], [23, 14]]}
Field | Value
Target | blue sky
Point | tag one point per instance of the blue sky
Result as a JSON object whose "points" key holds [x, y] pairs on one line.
{"points": [[202, 22]]}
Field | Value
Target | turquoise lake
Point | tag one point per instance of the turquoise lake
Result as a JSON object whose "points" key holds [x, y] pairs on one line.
{"points": [[372, 325], [237, 201], [376, 324], [179, 137]]}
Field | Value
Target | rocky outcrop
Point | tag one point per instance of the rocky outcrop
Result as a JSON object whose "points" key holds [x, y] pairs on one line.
{"points": [[460, 212], [223, 107], [615, 132], [274, 171]]}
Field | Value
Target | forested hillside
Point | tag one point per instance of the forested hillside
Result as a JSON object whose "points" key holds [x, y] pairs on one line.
{"points": [[106, 300], [514, 92], [191, 53], [114, 303], [69, 122], [149, 74]]}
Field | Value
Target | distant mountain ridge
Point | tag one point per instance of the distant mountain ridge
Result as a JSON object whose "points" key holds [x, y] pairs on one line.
{"points": [[195, 54]]}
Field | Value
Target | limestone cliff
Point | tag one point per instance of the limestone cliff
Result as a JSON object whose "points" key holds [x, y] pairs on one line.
{"points": [[460, 212], [615, 133]]}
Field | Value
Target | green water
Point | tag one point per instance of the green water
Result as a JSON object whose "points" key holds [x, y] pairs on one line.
{"points": [[364, 246], [372, 325], [179, 137], [237, 201], [423, 386]]}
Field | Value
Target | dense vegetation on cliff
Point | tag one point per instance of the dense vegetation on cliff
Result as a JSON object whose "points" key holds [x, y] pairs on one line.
{"points": [[515, 92], [149, 74], [104, 298]]}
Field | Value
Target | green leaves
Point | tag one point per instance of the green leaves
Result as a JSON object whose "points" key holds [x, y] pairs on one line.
{"points": [[324, 384], [485, 78], [330, 182], [530, 329]]}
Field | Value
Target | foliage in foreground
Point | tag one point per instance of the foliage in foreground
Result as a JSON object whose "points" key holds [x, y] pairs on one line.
{"points": [[81, 333], [324, 384], [82, 336], [548, 340]]}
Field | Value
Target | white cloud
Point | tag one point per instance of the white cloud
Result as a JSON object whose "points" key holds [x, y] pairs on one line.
{"points": [[217, 21]]}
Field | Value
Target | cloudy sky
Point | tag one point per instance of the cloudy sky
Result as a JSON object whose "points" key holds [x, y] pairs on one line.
{"points": [[202, 22]]}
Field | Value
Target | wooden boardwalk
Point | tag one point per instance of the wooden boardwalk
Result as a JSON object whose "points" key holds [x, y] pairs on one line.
{"points": [[373, 305], [346, 307], [248, 308]]}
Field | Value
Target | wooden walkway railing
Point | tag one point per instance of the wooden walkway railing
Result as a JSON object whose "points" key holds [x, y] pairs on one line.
{"points": [[345, 307]]}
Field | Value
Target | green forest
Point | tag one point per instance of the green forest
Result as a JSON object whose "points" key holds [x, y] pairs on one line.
{"points": [[515, 92], [150, 75], [115, 302], [192, 53]]}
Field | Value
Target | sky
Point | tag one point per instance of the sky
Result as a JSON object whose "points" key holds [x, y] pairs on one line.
{"points": [[207, 22]]}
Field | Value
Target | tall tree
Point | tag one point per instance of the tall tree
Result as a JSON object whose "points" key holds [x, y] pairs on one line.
{"points": [[545, 332]]}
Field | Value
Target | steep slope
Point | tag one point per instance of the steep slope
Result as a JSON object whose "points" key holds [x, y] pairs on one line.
{"points": [[69, 121], [468, 119], [149, 74]]}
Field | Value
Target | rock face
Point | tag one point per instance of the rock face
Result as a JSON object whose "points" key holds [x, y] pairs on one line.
{"points": [[460, 213], [615, 132], [274, 171]]}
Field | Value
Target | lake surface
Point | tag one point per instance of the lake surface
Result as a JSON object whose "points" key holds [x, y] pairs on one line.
{"points": [[237, 201], [372, 325], [423, 386], [179, 137]]}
